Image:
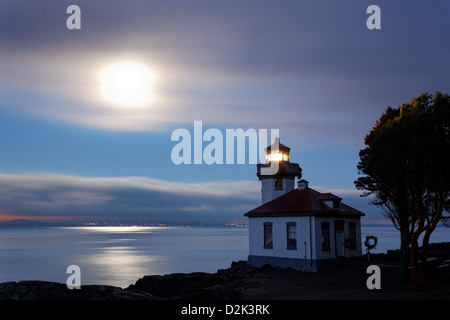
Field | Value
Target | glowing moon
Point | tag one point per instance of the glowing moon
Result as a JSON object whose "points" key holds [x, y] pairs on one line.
{"points": [[127, 84]]}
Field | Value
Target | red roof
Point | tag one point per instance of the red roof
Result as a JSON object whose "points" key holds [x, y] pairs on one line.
{"points": [[328, 196], [304, 202]]}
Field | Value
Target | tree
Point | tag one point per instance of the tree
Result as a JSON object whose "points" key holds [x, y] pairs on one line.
{"points": [[406, 168], [381, 165]]}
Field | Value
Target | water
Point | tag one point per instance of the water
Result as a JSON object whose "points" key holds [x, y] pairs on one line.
{"points": [[119, 256], [389, 237], [116, 255]]}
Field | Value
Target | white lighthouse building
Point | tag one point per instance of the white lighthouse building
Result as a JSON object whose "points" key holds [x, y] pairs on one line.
{"points": [[299, 227]]}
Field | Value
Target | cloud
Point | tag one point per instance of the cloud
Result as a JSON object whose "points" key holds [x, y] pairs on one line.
{"points": [[309, 68], [48, 196], [125, 198]]}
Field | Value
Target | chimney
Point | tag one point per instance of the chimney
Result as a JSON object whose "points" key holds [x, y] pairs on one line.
{"points": [[302, 184]]}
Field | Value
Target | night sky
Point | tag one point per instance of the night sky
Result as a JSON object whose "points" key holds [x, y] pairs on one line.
{"points": [[311, 69]]}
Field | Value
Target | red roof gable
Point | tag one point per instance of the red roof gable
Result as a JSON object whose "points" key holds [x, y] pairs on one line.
{"points": [[328, 196], [302, 201]]}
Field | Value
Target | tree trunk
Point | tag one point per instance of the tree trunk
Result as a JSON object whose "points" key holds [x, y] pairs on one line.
{"points": [[405, 258], [414, 248], [414, 263], [423, 260], [426, 239]]}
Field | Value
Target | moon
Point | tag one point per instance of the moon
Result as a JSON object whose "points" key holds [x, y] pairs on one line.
{"points": [[127, 84]]}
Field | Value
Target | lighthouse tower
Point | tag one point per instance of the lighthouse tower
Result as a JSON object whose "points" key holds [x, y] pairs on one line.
{"points": [[277, 175]]}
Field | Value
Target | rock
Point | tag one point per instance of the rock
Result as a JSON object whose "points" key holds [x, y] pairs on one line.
{"points": [[45, 290], [33, 290], [198, 285], [217, 292], [173, 286]]}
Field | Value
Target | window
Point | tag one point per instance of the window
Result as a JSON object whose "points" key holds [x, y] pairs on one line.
{"points": [[268, 243], [325, 236], [291, 231], [336, 204], [351, 240], [278, 184]]}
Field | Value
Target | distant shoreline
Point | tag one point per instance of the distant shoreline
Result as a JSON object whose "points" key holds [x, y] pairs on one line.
{"points": [[26, 223], [23, 223]]}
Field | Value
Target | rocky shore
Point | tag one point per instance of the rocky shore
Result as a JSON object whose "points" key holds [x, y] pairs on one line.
{"points": [[244, 282]]}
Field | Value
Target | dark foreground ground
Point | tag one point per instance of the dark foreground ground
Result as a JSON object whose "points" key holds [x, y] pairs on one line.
{"points": [[243, 282]]}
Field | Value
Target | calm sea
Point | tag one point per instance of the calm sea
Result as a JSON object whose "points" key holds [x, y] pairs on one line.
{"points": [[121, 255]]}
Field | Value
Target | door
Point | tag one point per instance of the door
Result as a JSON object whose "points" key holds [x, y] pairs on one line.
{"points": [[340, 243]]}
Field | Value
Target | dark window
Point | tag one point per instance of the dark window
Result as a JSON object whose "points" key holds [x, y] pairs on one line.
{"points": [[278, 184], [351, 240], [336, 204], [268, 242], [291, 230], [325, 236]]}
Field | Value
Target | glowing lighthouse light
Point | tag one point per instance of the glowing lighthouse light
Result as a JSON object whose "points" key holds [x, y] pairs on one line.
{"points": [[277, 152], [277, 156]]}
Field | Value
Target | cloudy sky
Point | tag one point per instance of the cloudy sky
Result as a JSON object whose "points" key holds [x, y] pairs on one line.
{"points": [[312, 69]]}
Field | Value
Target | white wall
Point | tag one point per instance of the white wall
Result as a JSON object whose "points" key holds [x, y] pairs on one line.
{"points": [[332, 253], [268, 188], [279, 231], [313, 248]]}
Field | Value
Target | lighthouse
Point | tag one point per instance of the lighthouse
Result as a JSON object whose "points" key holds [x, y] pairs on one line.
{"points": [[281, 180], [299, 227]]}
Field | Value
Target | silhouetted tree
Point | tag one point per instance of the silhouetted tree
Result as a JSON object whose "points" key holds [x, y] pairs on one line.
{"points": [[381, 165], [406, 167]]}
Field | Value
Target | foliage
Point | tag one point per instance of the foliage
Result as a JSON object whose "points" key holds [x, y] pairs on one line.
{"points": [[406, 168]]}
